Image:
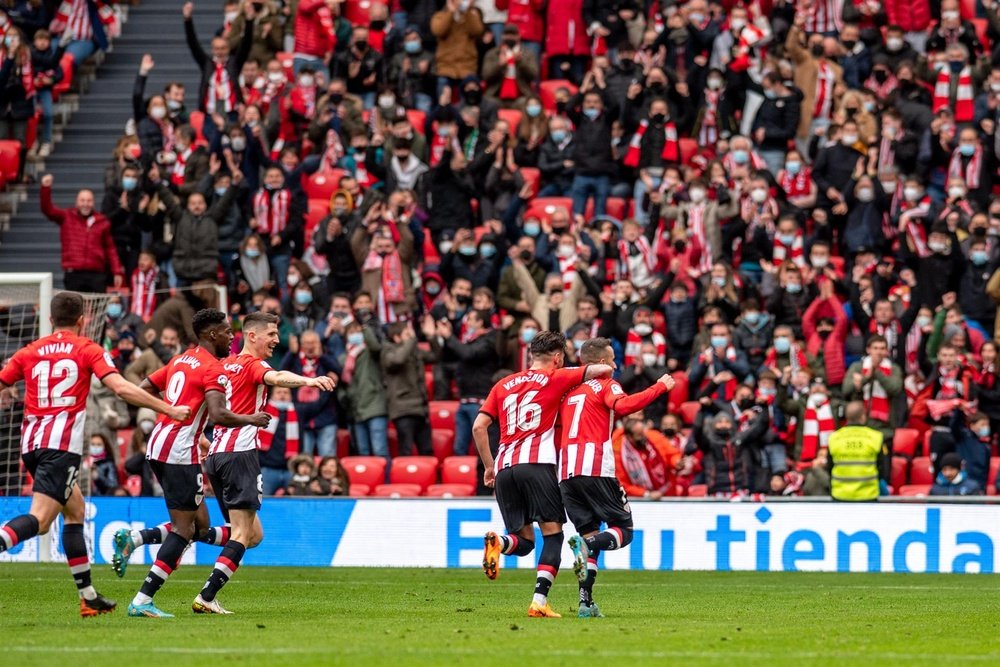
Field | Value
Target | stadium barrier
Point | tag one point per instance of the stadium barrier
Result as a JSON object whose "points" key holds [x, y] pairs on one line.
{"points": [[698, 535]]}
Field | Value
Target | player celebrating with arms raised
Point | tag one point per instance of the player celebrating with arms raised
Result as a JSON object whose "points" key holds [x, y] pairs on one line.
{"points": [[590, 489], [526, 405], [232, 465], [56, 371], [194, 378]]}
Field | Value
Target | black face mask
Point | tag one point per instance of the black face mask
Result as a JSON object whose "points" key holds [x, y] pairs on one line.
{"points": [[670, 432], [659, 118], [680, 246], [745, 403], [258, 7], [561, 107], [852, 112], [559, 230], [626, 65], [657, 89], [849, 44], [336, 98], [463, 299], [378, 25], [880, 75], [361, 45], [640, 443], [510, 43], [527, 255], [818, 51], [824, 334], [723, 433], [472, 97]]}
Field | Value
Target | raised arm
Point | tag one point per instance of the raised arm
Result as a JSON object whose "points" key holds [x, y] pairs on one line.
{"points": [[626, 405], [596, 371], [294, 380]]}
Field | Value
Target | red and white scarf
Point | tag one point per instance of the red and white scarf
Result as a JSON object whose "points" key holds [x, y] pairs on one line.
{"points": [[796, 359], [875, 398], [332, 153], [351, 361], [144, 292], [646, 469], [697, 233], [949, 386], [633, 347], [913, 340], [795, 253], [970, 173], [221, 96], [180, 165], [891, 332], [392, 290], [964, 94], [74, 18], [310, 366], [797, 185], [756, 162], [914, 215], [567, 269], [817, 426], [303, 100], [885, 89], [886, 152], [708, 132], [508, 87], [752, 214], [291, 430], [639, 266], [271, 211], [825, 79], [167, 130], [671, 147]]}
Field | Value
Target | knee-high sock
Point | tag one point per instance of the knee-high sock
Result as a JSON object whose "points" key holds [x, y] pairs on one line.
{"points": [[225, 567], [217, 535], [75, 547], [154, 535], [609, 540], [17, 530], [166, 562], [513, 545], [548, 566], [587, 585]]}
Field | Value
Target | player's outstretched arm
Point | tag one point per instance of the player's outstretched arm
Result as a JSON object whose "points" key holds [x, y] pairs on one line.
{"points": [[480, 433], [223, 416], [130, 393], [626, 405], [596, 371], [293, 380]]}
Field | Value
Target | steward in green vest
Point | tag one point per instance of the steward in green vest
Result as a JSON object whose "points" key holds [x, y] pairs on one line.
{"points": [[857, 454]]}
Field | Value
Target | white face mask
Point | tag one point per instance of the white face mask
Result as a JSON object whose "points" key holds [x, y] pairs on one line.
{"points": [[158, 113], [643, 329], [949, 16], [894, 43], [386, 101], [292, 280], [819, 262], [275, 77], [911, 194], [231, 16], [758, 195], [565, 251], [697, 195], [307, 81], [649, 359], [937, 246], [849, 139], [738, 24], [715, 83], [889, 186], [866, 194], [956, 191]]}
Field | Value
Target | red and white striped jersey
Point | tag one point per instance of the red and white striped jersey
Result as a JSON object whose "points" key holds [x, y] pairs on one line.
{"points": [[185, 380], [587, 419], [245, 395], [526, 405], [56, 371]]}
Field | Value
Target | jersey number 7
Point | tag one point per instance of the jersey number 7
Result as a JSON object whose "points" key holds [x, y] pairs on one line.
{"points": [[522, 414]]}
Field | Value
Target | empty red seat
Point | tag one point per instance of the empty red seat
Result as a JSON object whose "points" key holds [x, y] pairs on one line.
{"points": [[443, 443], [451, 490], [322, 184], [397, 490], [419, 470], [900, 467], [922, 471], [513, 118], [679, 394], [10, 159], [915, 490], [533, 177], [991, 482], [359, 490], [368, 470], [443, 414], [697, 491], [904, 441], [689, 410], [66, 65], [343, 442], [357, 11], [547, 91], [542, 208], [316, 211], [689, 148], [460, 470], [616, 207]]}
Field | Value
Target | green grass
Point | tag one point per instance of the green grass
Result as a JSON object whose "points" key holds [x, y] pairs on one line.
{"points": [[306, 616]]}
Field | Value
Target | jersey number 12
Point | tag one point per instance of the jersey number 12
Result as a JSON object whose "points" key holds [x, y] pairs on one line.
{"points": [[45, 371]]}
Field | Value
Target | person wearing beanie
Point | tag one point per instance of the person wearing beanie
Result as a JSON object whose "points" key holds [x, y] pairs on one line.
{"points": [[953, 480]]}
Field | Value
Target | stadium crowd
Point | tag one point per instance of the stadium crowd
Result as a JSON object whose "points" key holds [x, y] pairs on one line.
{"points": [[785, 205]]}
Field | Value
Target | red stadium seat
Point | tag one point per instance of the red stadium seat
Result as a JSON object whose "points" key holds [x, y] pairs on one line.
{"points": [[368, 470], [532, 176], [922, 471], [513, 118], [451, 490], [900, 467], [419, 470], [679, 394], [967, 9], [323, 184], [429, 380], [547, 91], [689, 148], [443, 414], [915, 490], [460, 470], [904, 442], [418, 119], [357, 11], [991, 482], [543, 207], [616, 207], [397, 491], [443, 443], [359, 490], [343, 443], [66, 65], [318, 209], [982, 26], [10, 159], [697, 491], [689, 409]]}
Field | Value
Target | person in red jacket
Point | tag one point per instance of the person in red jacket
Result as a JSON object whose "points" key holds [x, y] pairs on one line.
{"points": [[645, 461], [529, 17], [315, 34], [88, 250], [824, 327], [566, 43]]}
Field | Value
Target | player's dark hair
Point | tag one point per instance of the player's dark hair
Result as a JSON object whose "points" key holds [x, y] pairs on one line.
{"points": [[593, 349], [206, 319], [547, 343], [259, 320], [66, 308]]}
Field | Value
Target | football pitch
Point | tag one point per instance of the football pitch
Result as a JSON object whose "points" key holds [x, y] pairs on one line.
{"points": [[394, 617]]}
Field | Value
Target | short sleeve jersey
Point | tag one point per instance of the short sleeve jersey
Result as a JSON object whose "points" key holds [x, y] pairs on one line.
{"points": [[185, 380], [247, 394], [526, 406], [587, 416], [56, 371]]}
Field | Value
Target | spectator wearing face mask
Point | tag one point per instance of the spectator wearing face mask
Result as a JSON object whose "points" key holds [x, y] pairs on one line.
{"points": [[593, 115], [953, 480], [100, 473], [752, 335], [316, 410], [363, 390], [555, 159], [719, 367], [514, 347], [815, 413], [301, 310], [816, 75], [410, 71], [509, 69], [681, 311], [89, 254], [824, 328], [776, 120], [701, 216], [646, 461], [953, 29], [384, 254], [124, 209], [834, 167], [938, 264], [970, 166], [361, 66], [219, 90], [896, 49], [973, 443], [155, 356], [727, 455], [643, 370], [456, 26], [479, 264], [510, 296], [789, 301]]}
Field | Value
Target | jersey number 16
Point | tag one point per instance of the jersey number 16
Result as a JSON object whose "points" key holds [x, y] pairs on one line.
{"points": [[522, 414]]}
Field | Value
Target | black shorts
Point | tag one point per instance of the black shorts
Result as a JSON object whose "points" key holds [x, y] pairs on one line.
{"points": [[54, 472], [183, 484], [591, 501], [529, 493], [236, 480]]}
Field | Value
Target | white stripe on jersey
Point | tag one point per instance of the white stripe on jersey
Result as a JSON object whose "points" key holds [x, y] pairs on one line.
{"points": [[174, 443], [242, 439], [49, 432]]}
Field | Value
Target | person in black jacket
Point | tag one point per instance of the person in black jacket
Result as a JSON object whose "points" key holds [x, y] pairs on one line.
{"points": [[47, 71], [834, 166], [219, 90], [332, 239], [728, 458], [940, 271], [776, 120], [555, 159], [593, 116], [17, 103], [123, 206]]}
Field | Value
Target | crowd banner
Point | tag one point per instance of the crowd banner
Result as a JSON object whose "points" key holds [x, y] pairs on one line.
{"points": [[721, 536]]}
